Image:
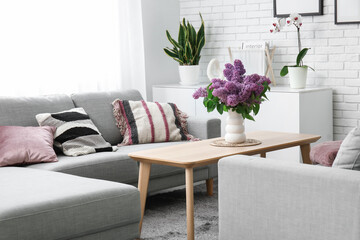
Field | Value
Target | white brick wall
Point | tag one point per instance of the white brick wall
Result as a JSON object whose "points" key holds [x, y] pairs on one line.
{"points": [[335, 49]]}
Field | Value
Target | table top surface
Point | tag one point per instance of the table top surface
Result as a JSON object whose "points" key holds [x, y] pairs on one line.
{"points": [[194, 154]]}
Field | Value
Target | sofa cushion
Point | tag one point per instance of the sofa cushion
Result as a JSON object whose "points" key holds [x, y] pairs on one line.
{"points": [[75, 133], [325, 153], [98, 107], [148, 122], [46, 205], [348, 156], [25, 145], [111, 166], [21, 111]]}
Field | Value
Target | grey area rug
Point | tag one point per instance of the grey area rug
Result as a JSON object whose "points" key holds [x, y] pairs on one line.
{"points": [[165, 215]]}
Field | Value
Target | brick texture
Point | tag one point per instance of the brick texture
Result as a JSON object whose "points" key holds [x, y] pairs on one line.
{"points": [[335, 49]]}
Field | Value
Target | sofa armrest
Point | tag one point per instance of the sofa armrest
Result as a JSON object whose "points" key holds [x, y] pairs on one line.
{"points": [[204, 128], [269, 199]]}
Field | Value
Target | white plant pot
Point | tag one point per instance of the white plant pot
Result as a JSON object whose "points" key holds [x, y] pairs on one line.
{"points": [[189, 75], [235, 130], [298, 76]]}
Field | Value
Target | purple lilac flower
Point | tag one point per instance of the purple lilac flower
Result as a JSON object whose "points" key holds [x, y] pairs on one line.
{"points": [[217, 83], [221, 93], [259, 90], [264, 79], [245, 93], [236, 76], [238, 88], [231, 87], [232, 100], [229, 66], [239, 66], [228, 73], [201, 92], [253, 78]]}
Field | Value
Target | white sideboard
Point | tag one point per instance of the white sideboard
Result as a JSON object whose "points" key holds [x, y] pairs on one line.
{"points": [[288, 110]]}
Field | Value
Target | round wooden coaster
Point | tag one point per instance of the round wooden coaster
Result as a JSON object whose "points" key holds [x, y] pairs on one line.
{"points": [[247, 143]]}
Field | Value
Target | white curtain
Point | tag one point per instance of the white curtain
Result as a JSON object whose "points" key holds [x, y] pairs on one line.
{"points": [[68, 46]]}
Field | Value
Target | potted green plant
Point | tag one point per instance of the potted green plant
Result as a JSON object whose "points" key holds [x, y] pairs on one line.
{"points": [[297, 72], [186, 51]]}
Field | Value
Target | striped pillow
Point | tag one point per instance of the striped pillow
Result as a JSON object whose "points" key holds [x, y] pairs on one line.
{"points": [[149, 122], [75, 133]]}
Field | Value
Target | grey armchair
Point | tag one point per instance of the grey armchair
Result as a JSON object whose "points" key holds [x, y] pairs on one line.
{"points": [[277, 200]]}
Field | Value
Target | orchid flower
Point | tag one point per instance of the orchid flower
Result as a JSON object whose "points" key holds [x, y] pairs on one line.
{"points": [[294, 19]]}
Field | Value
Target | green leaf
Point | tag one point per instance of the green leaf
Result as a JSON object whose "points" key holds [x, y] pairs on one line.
{"points": [[220, 108], [248, 116], [198, 50], [309, 67], [171, 40], [300, 56], [256, 109], [284, 71], [171, 53], [181, 37], [201, 31]]}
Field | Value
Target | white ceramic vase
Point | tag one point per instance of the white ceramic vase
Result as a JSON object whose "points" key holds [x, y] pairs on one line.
{"points": [[189, 74], [298, 76], [235, 130]]}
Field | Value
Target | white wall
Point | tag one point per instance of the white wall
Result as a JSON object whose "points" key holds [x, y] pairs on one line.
{"points": [[159, 16], [334, 54]]}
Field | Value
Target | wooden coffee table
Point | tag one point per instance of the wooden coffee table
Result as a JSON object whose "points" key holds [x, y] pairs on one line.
{"points": [[196, 154]]}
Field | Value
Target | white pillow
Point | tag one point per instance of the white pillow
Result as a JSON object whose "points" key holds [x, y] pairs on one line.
{"points": [[348, 156]]}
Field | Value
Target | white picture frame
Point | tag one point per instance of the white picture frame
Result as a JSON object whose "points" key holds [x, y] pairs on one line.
{"points": [[347, 11], [283, 8]]}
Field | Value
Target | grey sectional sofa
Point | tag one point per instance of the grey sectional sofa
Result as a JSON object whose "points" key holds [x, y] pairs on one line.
{"points": [[63, 202]]}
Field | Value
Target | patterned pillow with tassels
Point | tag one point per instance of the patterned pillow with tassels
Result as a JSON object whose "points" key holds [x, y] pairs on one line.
{"points": [[150, 122]]}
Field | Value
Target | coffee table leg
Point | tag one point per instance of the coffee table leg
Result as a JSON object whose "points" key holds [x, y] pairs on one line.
{"points": [[189, 177], [143, 183], [210, 186], [305, 153]]}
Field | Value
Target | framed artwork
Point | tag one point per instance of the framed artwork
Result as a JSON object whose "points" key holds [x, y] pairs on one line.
{"points": [[347, 11], [283, 8]]}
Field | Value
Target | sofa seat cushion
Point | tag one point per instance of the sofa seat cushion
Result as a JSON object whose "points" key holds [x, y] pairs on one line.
{"points": [[48, 205], [156, 169], [111, 166]]}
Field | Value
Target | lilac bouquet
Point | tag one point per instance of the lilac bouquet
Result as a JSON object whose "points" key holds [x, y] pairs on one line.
{"points": [[239, 92]]}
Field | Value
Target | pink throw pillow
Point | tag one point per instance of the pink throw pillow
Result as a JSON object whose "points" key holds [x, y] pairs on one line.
{"points": [[325, 153], [25, 145]]}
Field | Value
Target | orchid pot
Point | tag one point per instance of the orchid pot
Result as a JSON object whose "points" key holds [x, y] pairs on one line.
{"points": [[297, 72], [298, 76]]}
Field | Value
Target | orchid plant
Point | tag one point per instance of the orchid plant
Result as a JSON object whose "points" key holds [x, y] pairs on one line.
{"points": [[239, 92], [296, 20]]}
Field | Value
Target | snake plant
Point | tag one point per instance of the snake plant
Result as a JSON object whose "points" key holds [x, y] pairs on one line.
{"points": [[187, 49]]}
